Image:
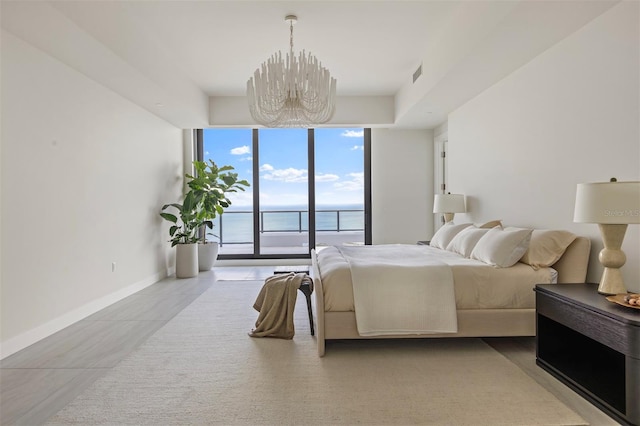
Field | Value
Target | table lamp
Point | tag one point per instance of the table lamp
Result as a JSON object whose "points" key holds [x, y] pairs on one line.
{"points": [[612, 205], [449, 204]]}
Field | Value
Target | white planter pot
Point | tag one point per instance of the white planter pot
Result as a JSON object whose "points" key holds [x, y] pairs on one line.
{"points": [[207, 255], [186, 260]]}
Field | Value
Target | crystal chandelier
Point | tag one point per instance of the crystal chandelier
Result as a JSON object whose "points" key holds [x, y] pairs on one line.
{"points": [[295, 92]]}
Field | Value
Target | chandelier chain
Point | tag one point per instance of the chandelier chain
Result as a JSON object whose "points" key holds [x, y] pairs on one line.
{"points": [[291, 36]]}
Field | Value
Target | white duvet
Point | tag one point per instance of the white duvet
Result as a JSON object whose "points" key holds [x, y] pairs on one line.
{"points": [[395, 292], [476, 284]]}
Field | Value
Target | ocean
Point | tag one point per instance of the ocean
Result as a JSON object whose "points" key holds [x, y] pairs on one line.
{"points": [[236, 224]]}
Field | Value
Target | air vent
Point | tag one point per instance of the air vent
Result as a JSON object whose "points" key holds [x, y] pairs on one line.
{"points": [[418, 73]]}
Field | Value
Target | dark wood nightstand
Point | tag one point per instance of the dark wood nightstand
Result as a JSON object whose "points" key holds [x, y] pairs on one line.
{"points": [[591, 345]]}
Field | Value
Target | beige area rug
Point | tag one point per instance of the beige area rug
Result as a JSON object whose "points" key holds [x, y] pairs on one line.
{"points": [[202, 368]]}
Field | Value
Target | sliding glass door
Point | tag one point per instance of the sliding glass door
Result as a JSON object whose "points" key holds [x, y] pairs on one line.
{"points": [[339, 186], [284, 191], [309, 189]]}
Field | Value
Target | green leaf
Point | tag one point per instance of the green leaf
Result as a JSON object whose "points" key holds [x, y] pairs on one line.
{"points": [[176, 205], [169, 217], [205, 199]]}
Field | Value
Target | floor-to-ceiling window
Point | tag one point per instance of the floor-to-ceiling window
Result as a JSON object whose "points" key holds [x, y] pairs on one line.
{"points": [[233, 147], [283, 157], [309, 188], [339, 186]]}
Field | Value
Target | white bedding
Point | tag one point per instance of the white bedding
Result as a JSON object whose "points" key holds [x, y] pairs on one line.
{"points": [[476, 284], [395, 293]]}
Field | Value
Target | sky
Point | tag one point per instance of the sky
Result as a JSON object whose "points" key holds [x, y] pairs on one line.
{"points": [[283, 164]]}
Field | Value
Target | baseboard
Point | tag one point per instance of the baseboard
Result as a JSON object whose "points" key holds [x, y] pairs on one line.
{"points": [[34, 335], [261, 262]]}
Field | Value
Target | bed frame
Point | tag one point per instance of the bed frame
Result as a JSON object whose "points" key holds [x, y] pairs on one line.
{"points": [[572, 268]]}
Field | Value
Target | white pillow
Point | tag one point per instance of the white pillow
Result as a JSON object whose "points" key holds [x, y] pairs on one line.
{"points": [[466, 240], [502, 247], [546, 247], [445, 234]]}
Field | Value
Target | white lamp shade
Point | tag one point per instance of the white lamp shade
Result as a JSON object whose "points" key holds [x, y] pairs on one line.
{"points": [[608, 203], [449, 203]]}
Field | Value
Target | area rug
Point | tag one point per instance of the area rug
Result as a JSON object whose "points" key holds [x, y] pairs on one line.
{"points": [[202, 368]]}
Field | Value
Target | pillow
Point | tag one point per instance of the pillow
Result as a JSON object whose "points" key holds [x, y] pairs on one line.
{"points": [[490, 224], [464, 242], [445, 234], [502, 247], [546, 247]]}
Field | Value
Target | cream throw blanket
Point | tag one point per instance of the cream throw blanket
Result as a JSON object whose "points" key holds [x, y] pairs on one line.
{"points": [[396, 292], [276, 302]]}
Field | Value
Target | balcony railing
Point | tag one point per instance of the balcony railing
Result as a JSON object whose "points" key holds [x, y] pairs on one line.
{"points": [[236, 227]]}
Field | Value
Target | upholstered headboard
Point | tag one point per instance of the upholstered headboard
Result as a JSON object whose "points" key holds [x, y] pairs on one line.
{"points": [[572, 266]]}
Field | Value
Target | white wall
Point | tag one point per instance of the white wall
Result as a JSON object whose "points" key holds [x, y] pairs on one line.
{"points": [[571, 115], [401, 185], [84, 173], [351, 111]]}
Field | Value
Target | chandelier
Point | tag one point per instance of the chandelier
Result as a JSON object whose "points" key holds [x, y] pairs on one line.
{"points": [[294, 92]]}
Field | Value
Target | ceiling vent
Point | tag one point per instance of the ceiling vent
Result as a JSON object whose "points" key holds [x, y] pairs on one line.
{"points": [[417, 73]]}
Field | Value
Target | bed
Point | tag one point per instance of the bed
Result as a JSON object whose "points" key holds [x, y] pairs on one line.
{"points": [[491, 300]]}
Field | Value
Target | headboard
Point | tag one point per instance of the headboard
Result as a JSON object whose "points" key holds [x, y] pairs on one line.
{"points": [[572, 266]]}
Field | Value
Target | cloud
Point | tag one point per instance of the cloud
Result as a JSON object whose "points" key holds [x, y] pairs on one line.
{"points": [[284, 175], [241, 150], [357, 147], [353, 133], [241, 199], [327, 177], [293, 175], [358, 177], [249, 158], [355, 183]]}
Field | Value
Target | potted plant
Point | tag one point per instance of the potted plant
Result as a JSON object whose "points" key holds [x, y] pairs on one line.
{"points": [[210, 186], [184, 231]]}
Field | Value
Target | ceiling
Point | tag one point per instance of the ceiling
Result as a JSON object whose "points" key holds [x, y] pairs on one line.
{"points": [[184, 59]]}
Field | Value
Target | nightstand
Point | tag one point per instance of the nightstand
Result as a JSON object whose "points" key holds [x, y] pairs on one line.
{"points": [[591, 345]]}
